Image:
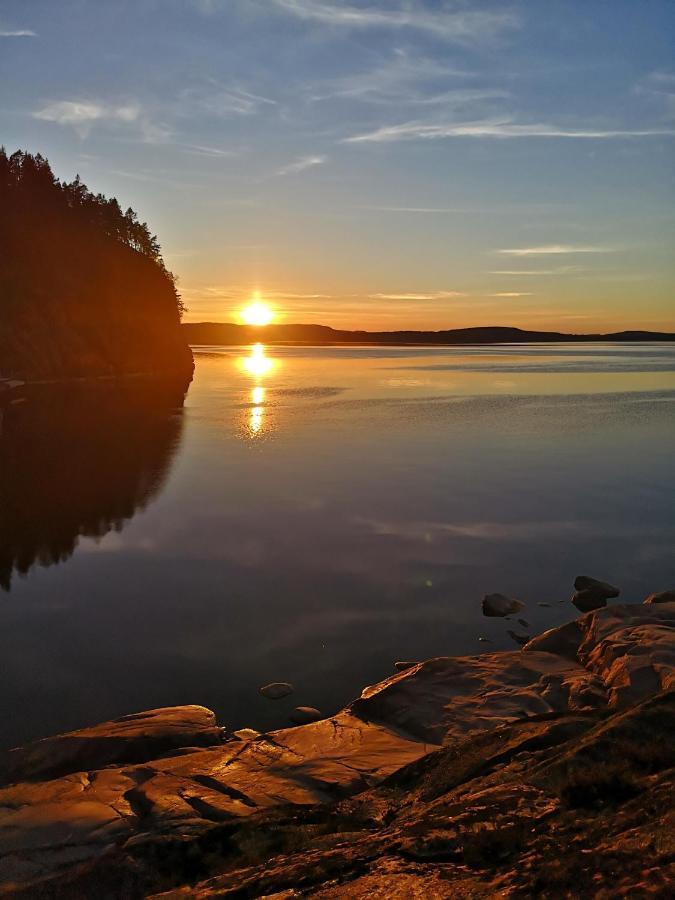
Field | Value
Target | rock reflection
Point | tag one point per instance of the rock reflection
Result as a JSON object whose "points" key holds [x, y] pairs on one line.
{"points": [[79, 461]]}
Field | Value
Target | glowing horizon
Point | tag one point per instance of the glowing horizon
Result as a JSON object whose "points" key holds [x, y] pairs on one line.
{"points": [[373, 169]]}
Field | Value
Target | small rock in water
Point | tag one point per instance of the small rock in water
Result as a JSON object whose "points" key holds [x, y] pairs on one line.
{"points": [[523, 623], [500, 605], [303, 715], [590, 594], [601, 588], [548, 605], [661, 597], [403, 665], [519, 638], [485, 640], [276, 690], [246, 734]]}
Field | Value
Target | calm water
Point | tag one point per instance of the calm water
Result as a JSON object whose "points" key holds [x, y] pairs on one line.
{"points": [[312, 515]]}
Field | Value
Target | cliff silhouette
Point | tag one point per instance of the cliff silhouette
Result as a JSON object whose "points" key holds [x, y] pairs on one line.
{"points": [[83, 287]]}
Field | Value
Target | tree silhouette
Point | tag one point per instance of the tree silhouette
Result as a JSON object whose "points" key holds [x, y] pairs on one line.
{"points": [[83, 286]]}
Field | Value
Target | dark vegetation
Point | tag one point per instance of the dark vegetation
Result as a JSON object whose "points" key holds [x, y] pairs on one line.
{"points": [[229, 333], [83, 287]]}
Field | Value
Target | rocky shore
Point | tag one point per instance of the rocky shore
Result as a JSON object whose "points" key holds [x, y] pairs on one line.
{"points": [[544, 771]]}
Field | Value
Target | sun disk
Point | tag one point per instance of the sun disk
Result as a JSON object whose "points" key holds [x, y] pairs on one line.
{"points": [[257, 314]]}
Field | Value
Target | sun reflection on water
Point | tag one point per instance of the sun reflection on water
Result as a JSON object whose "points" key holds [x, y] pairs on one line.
{"points": [[258, 365]]}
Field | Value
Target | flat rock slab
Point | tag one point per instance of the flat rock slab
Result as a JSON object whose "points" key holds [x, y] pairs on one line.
{"points": [[129, 739], [145, 775]]}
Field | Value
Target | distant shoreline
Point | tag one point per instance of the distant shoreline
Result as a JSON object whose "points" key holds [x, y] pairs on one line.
{"points": [[230, 334]]}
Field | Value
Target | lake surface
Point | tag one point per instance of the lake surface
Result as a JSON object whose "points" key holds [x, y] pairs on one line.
{"points": [[314, 514]]}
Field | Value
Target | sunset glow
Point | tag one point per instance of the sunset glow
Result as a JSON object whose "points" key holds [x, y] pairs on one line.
{"points": [[257, 313]]}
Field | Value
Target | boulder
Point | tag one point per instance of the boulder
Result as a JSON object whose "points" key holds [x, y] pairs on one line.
{"points": [[587, 601], [276, 690], [562, 641], [500, 605], [303, 715], [601, 588], [133, 738], [661, 597], [590, 594]]}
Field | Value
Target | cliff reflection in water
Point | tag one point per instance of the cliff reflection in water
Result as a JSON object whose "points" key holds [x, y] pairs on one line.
{"points": [[79, 461]]}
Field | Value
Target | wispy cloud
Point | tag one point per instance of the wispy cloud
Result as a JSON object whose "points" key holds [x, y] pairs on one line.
{"points": [[299, 165], [659, 86], [400, 78], [430, 295], [240, 292], [221, 101], [417, 209], [494, 129], [461, 25], [560, 270], [554, 250], [81, 114], [213, 152], [18, 32], [407, 80], [513, 294]]}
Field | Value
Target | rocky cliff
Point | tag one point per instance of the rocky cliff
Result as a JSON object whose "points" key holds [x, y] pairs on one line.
{"points": [[544, 771]]}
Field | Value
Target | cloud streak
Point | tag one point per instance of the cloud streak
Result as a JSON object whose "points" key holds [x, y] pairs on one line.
{"points": [[18, 32], [432, 295], [560, 270], [554, 250], [301, 164], [495, 130], [458, 25]]}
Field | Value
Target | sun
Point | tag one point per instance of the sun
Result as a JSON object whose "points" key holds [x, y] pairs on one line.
{"points": [[257, 313]]}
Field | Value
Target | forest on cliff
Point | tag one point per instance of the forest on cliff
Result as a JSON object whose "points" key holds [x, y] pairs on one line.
{"points": [[84, 290]]}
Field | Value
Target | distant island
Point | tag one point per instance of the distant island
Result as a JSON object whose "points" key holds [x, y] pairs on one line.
{"points": [[83, 287], [230, 333]]}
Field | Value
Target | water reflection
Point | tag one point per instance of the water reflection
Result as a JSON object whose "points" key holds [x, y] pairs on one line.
{"points": [[258, 365], [80, 461]]}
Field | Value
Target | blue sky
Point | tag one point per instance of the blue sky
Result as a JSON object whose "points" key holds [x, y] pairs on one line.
{"points": [[379, 164]]}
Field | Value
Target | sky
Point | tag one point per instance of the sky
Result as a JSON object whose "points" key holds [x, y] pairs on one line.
{"points": [[371, 164]]}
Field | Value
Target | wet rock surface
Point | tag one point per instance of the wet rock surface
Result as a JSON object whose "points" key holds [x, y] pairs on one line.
{"points": [[661, 597], [546, 769], [277, 690], [495, 605]]}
